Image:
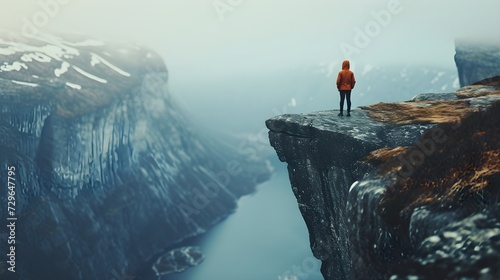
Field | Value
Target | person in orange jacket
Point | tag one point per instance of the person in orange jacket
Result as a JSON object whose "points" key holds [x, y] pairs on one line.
{"points": [[345, 83]]}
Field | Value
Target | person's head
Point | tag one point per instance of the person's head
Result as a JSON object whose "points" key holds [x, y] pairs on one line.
{"points": [[346, 65]]}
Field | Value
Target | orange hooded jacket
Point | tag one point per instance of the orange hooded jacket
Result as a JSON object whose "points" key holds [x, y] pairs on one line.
{"points": [[345, 79]]}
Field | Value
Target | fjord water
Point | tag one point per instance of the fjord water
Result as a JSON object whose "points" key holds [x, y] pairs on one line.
{"points": [[266, 238]]}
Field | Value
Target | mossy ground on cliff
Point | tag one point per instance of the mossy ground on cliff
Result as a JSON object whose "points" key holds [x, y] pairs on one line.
{"points": [[462, 170]]}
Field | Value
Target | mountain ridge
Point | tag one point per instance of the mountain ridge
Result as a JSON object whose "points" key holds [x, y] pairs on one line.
{"points": [[109, 171]]}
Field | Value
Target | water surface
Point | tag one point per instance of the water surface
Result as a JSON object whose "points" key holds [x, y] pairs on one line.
{"points": [[266, 238]]}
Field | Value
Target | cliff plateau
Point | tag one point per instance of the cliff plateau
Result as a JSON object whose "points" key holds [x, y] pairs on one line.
{"points": [[404, 190]]}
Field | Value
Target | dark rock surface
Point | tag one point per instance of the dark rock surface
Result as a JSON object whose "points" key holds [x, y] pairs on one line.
{"points": [[324, 155], [339, 193], [109, 172]]}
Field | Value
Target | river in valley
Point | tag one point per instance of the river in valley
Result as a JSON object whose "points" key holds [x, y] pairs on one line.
{"points": [[265, 239]]}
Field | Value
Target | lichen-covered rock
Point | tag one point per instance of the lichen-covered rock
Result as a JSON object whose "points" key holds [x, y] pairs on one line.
{"points": [[466, 248]]}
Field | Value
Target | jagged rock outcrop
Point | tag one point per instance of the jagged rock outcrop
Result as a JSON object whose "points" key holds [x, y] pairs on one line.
{"points": [[108, 172], [477, 60], [361, 230]]}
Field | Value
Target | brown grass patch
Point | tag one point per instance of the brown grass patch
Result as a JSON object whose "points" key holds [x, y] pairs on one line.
{"points": [[473, 91], [462, 172], [380, 156], [479, 176], [422, 112]]}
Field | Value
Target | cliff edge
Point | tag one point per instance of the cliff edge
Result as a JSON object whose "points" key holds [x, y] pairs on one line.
{"points": [[381, 190]]}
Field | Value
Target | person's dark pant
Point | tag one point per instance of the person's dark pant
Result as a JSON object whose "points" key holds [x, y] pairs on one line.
{"points": [[343, 95]]}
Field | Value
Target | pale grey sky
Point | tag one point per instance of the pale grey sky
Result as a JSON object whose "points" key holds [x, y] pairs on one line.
{"points": [[217, 38]]}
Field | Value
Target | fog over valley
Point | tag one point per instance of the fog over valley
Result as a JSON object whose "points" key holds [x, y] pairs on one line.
{"points": [[224, 56]]}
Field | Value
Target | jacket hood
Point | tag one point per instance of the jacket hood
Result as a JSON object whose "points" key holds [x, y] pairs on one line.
{"points": [[346, 65]]}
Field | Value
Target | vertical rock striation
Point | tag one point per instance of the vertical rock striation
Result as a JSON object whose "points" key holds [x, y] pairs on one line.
{"points": [[477, 60], [324, 156], [109, 173]]}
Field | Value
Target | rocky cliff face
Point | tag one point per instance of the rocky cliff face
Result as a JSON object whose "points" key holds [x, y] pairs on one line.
{"points": [[324, 156], [106, 171], [476, 60], [357, 184]]}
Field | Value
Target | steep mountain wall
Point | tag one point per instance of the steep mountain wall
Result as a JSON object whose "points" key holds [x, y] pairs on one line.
{"points": [[108, 172], [333, 163], [477, 60], [324, 156]]}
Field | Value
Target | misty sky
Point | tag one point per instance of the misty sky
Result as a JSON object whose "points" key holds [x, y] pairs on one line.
{"points": [[251, 33], [213, 41]]}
